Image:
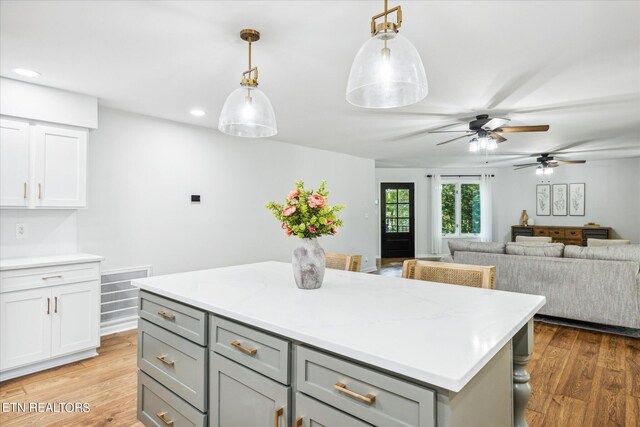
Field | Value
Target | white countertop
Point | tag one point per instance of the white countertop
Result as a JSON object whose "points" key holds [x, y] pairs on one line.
{"points": [[44, 261], [436, 333]]}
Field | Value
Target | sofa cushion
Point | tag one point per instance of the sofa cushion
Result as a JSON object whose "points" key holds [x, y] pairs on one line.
{"points": [[535, 249], [609, 253], [607, 242], [471, 246], [533, 239]]}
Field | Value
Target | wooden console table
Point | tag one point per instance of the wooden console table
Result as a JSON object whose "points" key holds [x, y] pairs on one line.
{"points": [[567, 235]]}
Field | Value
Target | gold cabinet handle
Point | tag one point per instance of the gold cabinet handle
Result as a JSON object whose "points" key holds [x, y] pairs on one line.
{"points": [[55, 305], [48, 305], [25, 190], [167, 315], [39, 191], [249, 351], [162, 415], [369, 399], [163, 359], [58, 276], [298, 422], [277, 414]]}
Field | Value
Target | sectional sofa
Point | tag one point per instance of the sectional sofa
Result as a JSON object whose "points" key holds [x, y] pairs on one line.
{"points": [[600, 284]]}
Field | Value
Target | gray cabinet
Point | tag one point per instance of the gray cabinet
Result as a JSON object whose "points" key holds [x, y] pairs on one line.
{"points": [[178, 318], [311, 413], [241, 397]]}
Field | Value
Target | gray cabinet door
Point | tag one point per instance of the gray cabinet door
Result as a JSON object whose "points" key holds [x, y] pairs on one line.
{"points": [[311, 413], [241, 397]]}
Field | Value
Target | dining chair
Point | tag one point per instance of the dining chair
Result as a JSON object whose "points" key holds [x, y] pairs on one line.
{"points": [[346, 262], [477, 276]]}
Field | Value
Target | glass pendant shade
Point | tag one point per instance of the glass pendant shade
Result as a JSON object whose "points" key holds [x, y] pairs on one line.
{"points": [[387, 72], [248, 112]]}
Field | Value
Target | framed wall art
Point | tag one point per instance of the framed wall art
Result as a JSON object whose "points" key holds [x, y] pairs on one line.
{"points": [[543, 199], [576, 199], [559, 200]]}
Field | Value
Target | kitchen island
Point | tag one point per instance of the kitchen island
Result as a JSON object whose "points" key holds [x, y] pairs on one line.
{"points": [[242, 345]]}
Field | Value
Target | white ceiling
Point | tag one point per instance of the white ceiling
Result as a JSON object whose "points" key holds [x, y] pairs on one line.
{"points": [[574, 65]]}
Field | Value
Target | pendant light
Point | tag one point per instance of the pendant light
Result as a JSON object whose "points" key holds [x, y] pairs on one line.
{"points": [[247, 111], [387, 71]]}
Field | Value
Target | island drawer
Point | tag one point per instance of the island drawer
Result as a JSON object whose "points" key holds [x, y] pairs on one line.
{"points": [[157, 406], [369, 395], [175, 362], [181, 319], [311, 413], [259, 351], [39, 277]]}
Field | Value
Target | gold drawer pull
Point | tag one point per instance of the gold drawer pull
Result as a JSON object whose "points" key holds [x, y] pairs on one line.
{"points": [[58, 276], [165, 361], [163, 419], [277, 415], [249, 351], [369, 399], [298, 422], [167, 315]]}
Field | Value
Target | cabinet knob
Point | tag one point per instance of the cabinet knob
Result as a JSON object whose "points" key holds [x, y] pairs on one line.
{"points": [[163, 359], [39, 191], [24, 190], [369, 399], [167, 315], [162, 416], [249, 351], [298, 422]]}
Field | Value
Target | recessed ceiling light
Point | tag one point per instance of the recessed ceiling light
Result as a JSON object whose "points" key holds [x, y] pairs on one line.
{"points": [[197, 113], [26, 72]]}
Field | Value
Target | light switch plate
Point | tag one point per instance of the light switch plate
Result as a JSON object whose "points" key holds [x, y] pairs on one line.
{"points": [[22, 232]]}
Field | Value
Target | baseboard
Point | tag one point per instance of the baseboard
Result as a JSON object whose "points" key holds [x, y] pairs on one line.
{"points": [[119, 326], [46, 364]]}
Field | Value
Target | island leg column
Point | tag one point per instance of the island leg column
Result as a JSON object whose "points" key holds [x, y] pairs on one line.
{"points": [[522, 349]]}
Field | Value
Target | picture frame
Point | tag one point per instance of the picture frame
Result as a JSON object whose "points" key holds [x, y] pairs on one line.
{"points": [[559, 200], [543, 200], [577, 199]]}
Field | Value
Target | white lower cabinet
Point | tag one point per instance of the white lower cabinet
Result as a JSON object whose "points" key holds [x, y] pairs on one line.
{"points": [[49, 316], [25, 327], [76, 313]]}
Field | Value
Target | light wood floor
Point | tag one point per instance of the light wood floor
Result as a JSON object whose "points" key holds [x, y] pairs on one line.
{"points": [[579, 378]]}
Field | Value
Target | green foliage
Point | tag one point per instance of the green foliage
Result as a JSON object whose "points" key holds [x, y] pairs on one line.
{"points": [[469, 209], [307, 214]]}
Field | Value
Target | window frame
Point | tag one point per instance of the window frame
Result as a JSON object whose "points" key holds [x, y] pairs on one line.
{"points": [[458, 203]]}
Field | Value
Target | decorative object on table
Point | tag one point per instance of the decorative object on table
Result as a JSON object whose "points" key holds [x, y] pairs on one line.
{"points": [[524, 218], [576, 199], [559, 205], [543, 200], [387, 71], [592, 224], [247, 111], [530, 222], [306, 214]]}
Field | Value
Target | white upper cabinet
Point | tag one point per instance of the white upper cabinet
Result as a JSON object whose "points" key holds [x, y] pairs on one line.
{"points": [[14, 163], [60, 167], [43, 166]]}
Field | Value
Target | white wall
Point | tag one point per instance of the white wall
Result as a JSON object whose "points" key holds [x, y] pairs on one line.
{"points": [[142, 172], [612, 197], [48, 232]]}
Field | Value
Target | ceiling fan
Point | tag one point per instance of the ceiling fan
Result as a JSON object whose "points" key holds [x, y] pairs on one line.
{"points": [[545, 164], [488, 132]]}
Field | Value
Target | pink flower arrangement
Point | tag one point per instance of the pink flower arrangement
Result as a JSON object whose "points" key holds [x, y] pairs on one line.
{"points": [[288, 211], [306, 213], [316, 201]]}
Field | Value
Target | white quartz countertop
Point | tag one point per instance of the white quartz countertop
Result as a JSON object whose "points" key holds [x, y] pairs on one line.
{"points": [[44, 261], [436, 333]]}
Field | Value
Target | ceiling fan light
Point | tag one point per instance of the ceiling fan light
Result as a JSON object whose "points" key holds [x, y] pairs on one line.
{"points": [[473, 145], [492, 144], [548, 171], [387, 72], [539, 170]]}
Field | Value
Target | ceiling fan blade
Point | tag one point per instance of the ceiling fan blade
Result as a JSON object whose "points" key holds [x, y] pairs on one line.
{"points": [[447, 131], [451, 140], [536, 128], [571, 162], [526, 165], [499, 138], [495, 123]]}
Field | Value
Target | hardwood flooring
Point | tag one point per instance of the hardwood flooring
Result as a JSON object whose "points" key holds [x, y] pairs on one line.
{"points": [[579, 378]]}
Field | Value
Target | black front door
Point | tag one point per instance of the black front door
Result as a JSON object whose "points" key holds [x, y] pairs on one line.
{"points": [[397, 228]]}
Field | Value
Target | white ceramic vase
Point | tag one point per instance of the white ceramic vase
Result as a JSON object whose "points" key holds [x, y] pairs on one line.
{"points": [[308, 264]]}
